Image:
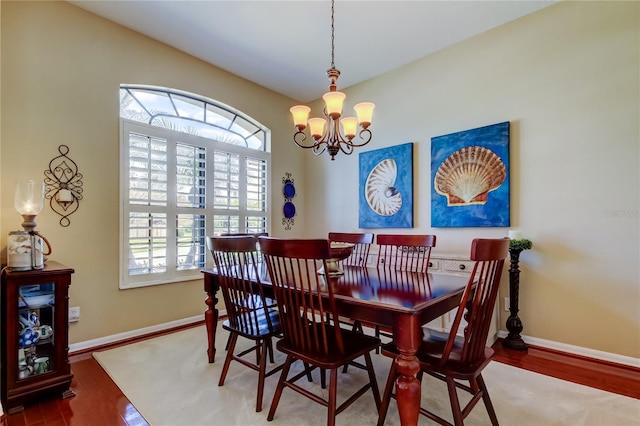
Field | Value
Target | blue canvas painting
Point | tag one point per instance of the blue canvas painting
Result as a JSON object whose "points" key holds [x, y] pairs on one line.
{"points": [[470, 178], [386, 187]]}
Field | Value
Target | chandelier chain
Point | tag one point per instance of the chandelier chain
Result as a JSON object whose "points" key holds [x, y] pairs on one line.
{"points": [[333, 65]]}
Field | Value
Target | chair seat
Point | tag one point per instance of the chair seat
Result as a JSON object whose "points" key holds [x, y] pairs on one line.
{"points": [[255, 327], [355, 345]]}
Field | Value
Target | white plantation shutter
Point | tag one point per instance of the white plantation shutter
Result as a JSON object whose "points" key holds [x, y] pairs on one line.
{"points": [[147, 170], [191, 175], [177, 189], [148, 240], [256, 195], [147, 189], [226, 186]]}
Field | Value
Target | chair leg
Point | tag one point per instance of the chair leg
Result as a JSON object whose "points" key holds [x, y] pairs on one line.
{"points": [[386, 396], [333, 398], [279, 388], [270, 346], [357, 327], [307, 367], [258, 347], [373, 380], [455, 403], [233, 338], [262, 367], [226, 347], [487, 400]]}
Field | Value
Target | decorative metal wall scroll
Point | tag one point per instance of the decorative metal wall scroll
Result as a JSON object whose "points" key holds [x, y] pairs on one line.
{"points": [[63, 185], [289, 209]]}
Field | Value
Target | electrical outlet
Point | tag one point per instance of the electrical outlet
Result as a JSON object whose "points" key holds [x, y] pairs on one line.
{"points": [[74, 314], [507, 303]]}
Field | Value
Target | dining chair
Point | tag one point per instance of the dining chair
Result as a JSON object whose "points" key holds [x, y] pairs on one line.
{"points": [[456, 358], [362, 243], [359, 257], [405, 253], [249, 314], [270, 302], [304, 298]]}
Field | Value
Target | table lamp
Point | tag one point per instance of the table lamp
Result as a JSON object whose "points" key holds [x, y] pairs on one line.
{"points": [[29, 201], [25, 249]]}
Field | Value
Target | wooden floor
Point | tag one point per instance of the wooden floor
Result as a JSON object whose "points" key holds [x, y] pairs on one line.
{"points": [[98, 401]]}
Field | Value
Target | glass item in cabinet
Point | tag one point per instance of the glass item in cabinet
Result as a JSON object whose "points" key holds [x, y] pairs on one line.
{"points": [[32, 296]]}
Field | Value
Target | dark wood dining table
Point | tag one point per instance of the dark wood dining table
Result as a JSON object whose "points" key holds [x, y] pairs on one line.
{"points": [[399, 300]]}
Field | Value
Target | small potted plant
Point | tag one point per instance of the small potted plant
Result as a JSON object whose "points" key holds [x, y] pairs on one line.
{"points": [[520, 244]]}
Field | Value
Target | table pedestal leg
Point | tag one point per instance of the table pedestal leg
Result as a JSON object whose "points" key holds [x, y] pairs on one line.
{"points": [[408, 389], [211, 318]]}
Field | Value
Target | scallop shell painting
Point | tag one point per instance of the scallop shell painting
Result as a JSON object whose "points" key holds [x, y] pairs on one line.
{"points": [[470, 178], [467, 175], [382, 196], [386, 187]]}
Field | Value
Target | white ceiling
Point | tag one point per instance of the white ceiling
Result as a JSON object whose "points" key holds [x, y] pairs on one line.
{"points": [[285, 45]]}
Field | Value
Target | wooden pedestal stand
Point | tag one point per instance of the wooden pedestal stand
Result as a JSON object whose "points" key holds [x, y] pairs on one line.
{"points": [[514, 325]]}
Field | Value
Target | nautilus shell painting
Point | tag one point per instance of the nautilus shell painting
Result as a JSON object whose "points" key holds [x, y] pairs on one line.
{"points": [[466, 176], [386, 187], [470, 178], [381, 194]]}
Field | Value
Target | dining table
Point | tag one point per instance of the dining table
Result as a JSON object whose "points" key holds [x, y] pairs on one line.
{"points": [[401, 301]]}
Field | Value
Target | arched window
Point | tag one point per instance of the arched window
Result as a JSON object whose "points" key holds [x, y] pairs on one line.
{"points": [[190, 167]]}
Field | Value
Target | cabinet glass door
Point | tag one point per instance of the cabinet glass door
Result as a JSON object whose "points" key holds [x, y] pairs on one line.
{"points": [[36, 349]]}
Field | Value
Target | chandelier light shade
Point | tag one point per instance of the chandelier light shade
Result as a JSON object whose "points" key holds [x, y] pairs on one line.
{"points": [[333, 133]]}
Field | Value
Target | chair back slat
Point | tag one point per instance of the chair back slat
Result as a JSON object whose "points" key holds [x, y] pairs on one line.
{"points": [[405, 252], [478, 299], [362, 242], [293, 266], [236, 262]]}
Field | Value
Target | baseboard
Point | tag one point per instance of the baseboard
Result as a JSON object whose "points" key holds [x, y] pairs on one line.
{"points": [[159, 328], [578, 350], [133, 334]]}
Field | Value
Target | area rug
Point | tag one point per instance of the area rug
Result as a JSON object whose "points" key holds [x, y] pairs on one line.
{"points": [[170, 382]]}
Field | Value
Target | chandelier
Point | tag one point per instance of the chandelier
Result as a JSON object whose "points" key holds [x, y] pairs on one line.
{"points": [[326, 132]]}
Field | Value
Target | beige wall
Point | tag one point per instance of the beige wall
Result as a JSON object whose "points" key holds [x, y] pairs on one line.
{"points": [[567, 78], [61, 70]]}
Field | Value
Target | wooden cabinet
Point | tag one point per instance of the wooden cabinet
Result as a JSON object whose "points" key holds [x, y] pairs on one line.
{"points": [[35, 341]]}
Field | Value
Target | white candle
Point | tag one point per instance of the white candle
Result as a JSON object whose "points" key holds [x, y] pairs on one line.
{"points": [[64, 195], [515, 235]]}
